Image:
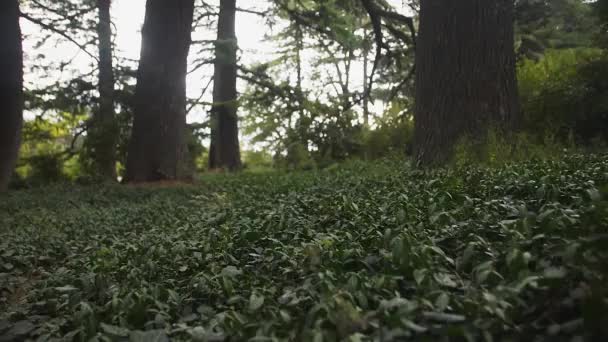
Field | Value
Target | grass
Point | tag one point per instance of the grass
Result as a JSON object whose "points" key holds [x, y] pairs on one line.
{"points": [[365, 251]]}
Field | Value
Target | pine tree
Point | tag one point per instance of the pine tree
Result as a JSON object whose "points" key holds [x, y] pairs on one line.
{"points": [[224, 152], [465, 74], [158, 146], [11, 88]]}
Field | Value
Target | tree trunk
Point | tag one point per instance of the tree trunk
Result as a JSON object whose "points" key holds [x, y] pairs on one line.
{"points": [[365, 83], [224, 152], [299, 48], [465, 75], [103, 133], [158, 149], [11, 89]]}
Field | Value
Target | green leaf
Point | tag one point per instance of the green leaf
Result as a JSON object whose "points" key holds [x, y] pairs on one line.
{"points": [[255, 302], [443, 317], [148, 336], [114, 330], [419, 275], [445, 279], [200, 334], [554, 273], [285, 316], [413, 326], [66, 289], [442, 301], [230, 272]]}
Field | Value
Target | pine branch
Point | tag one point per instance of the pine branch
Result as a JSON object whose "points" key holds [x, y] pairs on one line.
{"points": [[59, 32]]}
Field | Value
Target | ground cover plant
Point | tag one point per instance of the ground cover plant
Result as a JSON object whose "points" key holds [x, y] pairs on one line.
{"points": [[360, 252]]}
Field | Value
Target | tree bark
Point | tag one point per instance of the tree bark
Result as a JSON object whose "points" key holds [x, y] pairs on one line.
{"points": [[158, 149], [224, 152], [365, 75], [299, 40], [11, 89], [103, 133], [465, 75]]}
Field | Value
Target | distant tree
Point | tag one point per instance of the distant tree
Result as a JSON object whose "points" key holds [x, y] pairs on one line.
{"points": [[158, 149], [311, 99], [553, 24], [224, 152], [601, 8], [11, 88], [87, 25], [465, 74], [103, 132]]}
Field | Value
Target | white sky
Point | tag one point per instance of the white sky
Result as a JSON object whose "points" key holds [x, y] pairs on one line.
{"points": [[128, 16]]}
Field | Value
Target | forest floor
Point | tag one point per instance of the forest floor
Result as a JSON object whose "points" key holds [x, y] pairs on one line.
{"points": [[363, 251]]}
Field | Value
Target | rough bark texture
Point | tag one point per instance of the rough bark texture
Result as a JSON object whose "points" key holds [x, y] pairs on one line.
{"points": [[158, 149], [465, 74], [11, 89], [224, 152], [103, 130]]}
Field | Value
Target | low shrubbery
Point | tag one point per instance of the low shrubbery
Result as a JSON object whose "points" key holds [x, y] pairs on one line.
{"points": [[565, 94]]}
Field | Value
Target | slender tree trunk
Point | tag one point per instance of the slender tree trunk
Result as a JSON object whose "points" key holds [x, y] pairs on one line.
{"points": [[104, 131], [350, 55], [11, 89], [365, 83], [158, 149], [465, 75], [299, 48], [224, 152]]}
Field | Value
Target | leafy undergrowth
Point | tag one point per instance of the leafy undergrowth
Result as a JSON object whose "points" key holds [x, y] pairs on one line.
{"points": [[366, 251]]}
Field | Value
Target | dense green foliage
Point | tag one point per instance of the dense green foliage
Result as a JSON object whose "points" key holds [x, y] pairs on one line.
{"points": [[555, 24], [363, 251], [564, 93]]}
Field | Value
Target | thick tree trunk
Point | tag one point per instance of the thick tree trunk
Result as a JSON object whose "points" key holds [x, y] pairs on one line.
{"points": [[11, 89], [158, 149], [465, 74], [224, 152], [103, 131]]}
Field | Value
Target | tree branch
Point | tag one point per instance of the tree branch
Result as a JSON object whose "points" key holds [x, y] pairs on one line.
{"points": [[244, 10], [59, 32], [198, 100]]}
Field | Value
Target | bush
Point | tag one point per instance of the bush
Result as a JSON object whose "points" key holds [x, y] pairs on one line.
{"points": [[257, 160], [393, 135], [566, 92], [387, 140], [498, 149], [298, 157]]}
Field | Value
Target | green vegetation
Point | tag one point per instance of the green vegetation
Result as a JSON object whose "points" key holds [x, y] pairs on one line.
{"points": [[364, 251], [382, 170], [565, 93]]}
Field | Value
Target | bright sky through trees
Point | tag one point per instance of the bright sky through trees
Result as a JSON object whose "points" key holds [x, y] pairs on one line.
{"points": [[128, 15]]}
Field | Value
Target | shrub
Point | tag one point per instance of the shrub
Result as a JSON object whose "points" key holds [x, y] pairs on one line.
{"points": [[393, 134], [257, 160], [565, 92], [498, 149]]}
